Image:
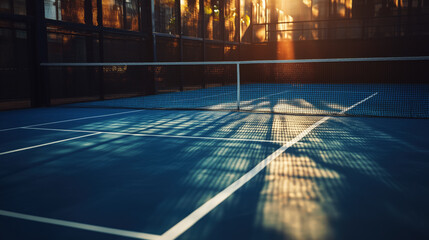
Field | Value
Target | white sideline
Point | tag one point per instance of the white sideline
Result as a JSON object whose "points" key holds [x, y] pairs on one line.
{"points": [[70, 120], [207, 207], [154, 135], [49, 143], [83, 226]]}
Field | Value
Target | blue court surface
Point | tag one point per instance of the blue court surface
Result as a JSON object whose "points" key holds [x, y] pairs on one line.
{"points": [[89, 173]]}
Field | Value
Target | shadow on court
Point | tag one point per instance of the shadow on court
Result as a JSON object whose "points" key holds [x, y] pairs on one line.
{"points": [[350, 178]]}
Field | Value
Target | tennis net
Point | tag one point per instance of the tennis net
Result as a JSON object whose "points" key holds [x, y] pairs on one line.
{"points": [[392, 86]]}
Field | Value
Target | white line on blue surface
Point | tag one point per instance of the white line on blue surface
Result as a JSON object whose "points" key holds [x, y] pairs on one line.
{"points": [[46, 144], [83, 226], [209, 96], [266, 96], [71, 120], [155, 135], [211, 204], [354, 105]]}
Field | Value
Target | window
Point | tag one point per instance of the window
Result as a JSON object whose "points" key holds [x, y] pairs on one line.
{"points": [[123, 14], [17, 7], [132, 11], [231, 16], [113, 13], [212, 11], [77, 11], [165, 16], [190, 13]]}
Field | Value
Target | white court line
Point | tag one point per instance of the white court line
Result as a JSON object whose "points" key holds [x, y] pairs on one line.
{"points": [[265, 96], [70, 120], [208, 206], [354, 105], [155, 135], [217, 95], [332, 91], [46, 144], [247, 90], [83, 226]]}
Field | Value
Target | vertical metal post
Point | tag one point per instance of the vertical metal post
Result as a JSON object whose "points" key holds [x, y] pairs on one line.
{"points": [[124, 16], [203, 43], [153, 24], [178, 17], [154, 42], [41, 84], [238, 86]]}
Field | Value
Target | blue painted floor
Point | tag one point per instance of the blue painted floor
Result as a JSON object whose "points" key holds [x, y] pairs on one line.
{"points": [[144, 171]]}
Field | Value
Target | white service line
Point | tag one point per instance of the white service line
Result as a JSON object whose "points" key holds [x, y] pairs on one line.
{"points": [[83, 226], [208, 206], [70, 120], [265, 96], [155, 135], [210, 96], [248, 90], [332, 91], [46, 144]]}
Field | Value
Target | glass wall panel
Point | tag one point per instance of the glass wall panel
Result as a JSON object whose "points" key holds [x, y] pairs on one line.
{"points": [[190, 10], [113, 13], [14, 65], [341, 8], [165, 16], [231, 16], [17, 7], [245, 20], [65, 10], [94, 13], [212, 11], [132, 12], [121, 14]]}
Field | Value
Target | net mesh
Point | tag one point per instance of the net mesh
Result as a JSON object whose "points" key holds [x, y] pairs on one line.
{"points": [[393, 87]]}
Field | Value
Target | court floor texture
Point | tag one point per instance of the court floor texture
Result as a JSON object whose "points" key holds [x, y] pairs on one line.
{"points": [[93, 173]]}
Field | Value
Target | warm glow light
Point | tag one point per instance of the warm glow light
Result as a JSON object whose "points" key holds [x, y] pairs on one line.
{"points": [[315, 11], [342, 12], [349, 4], [259, 32], [307, 2]]}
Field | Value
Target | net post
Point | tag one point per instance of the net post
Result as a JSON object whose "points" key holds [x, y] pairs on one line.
{"points": [[238, 86]]}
